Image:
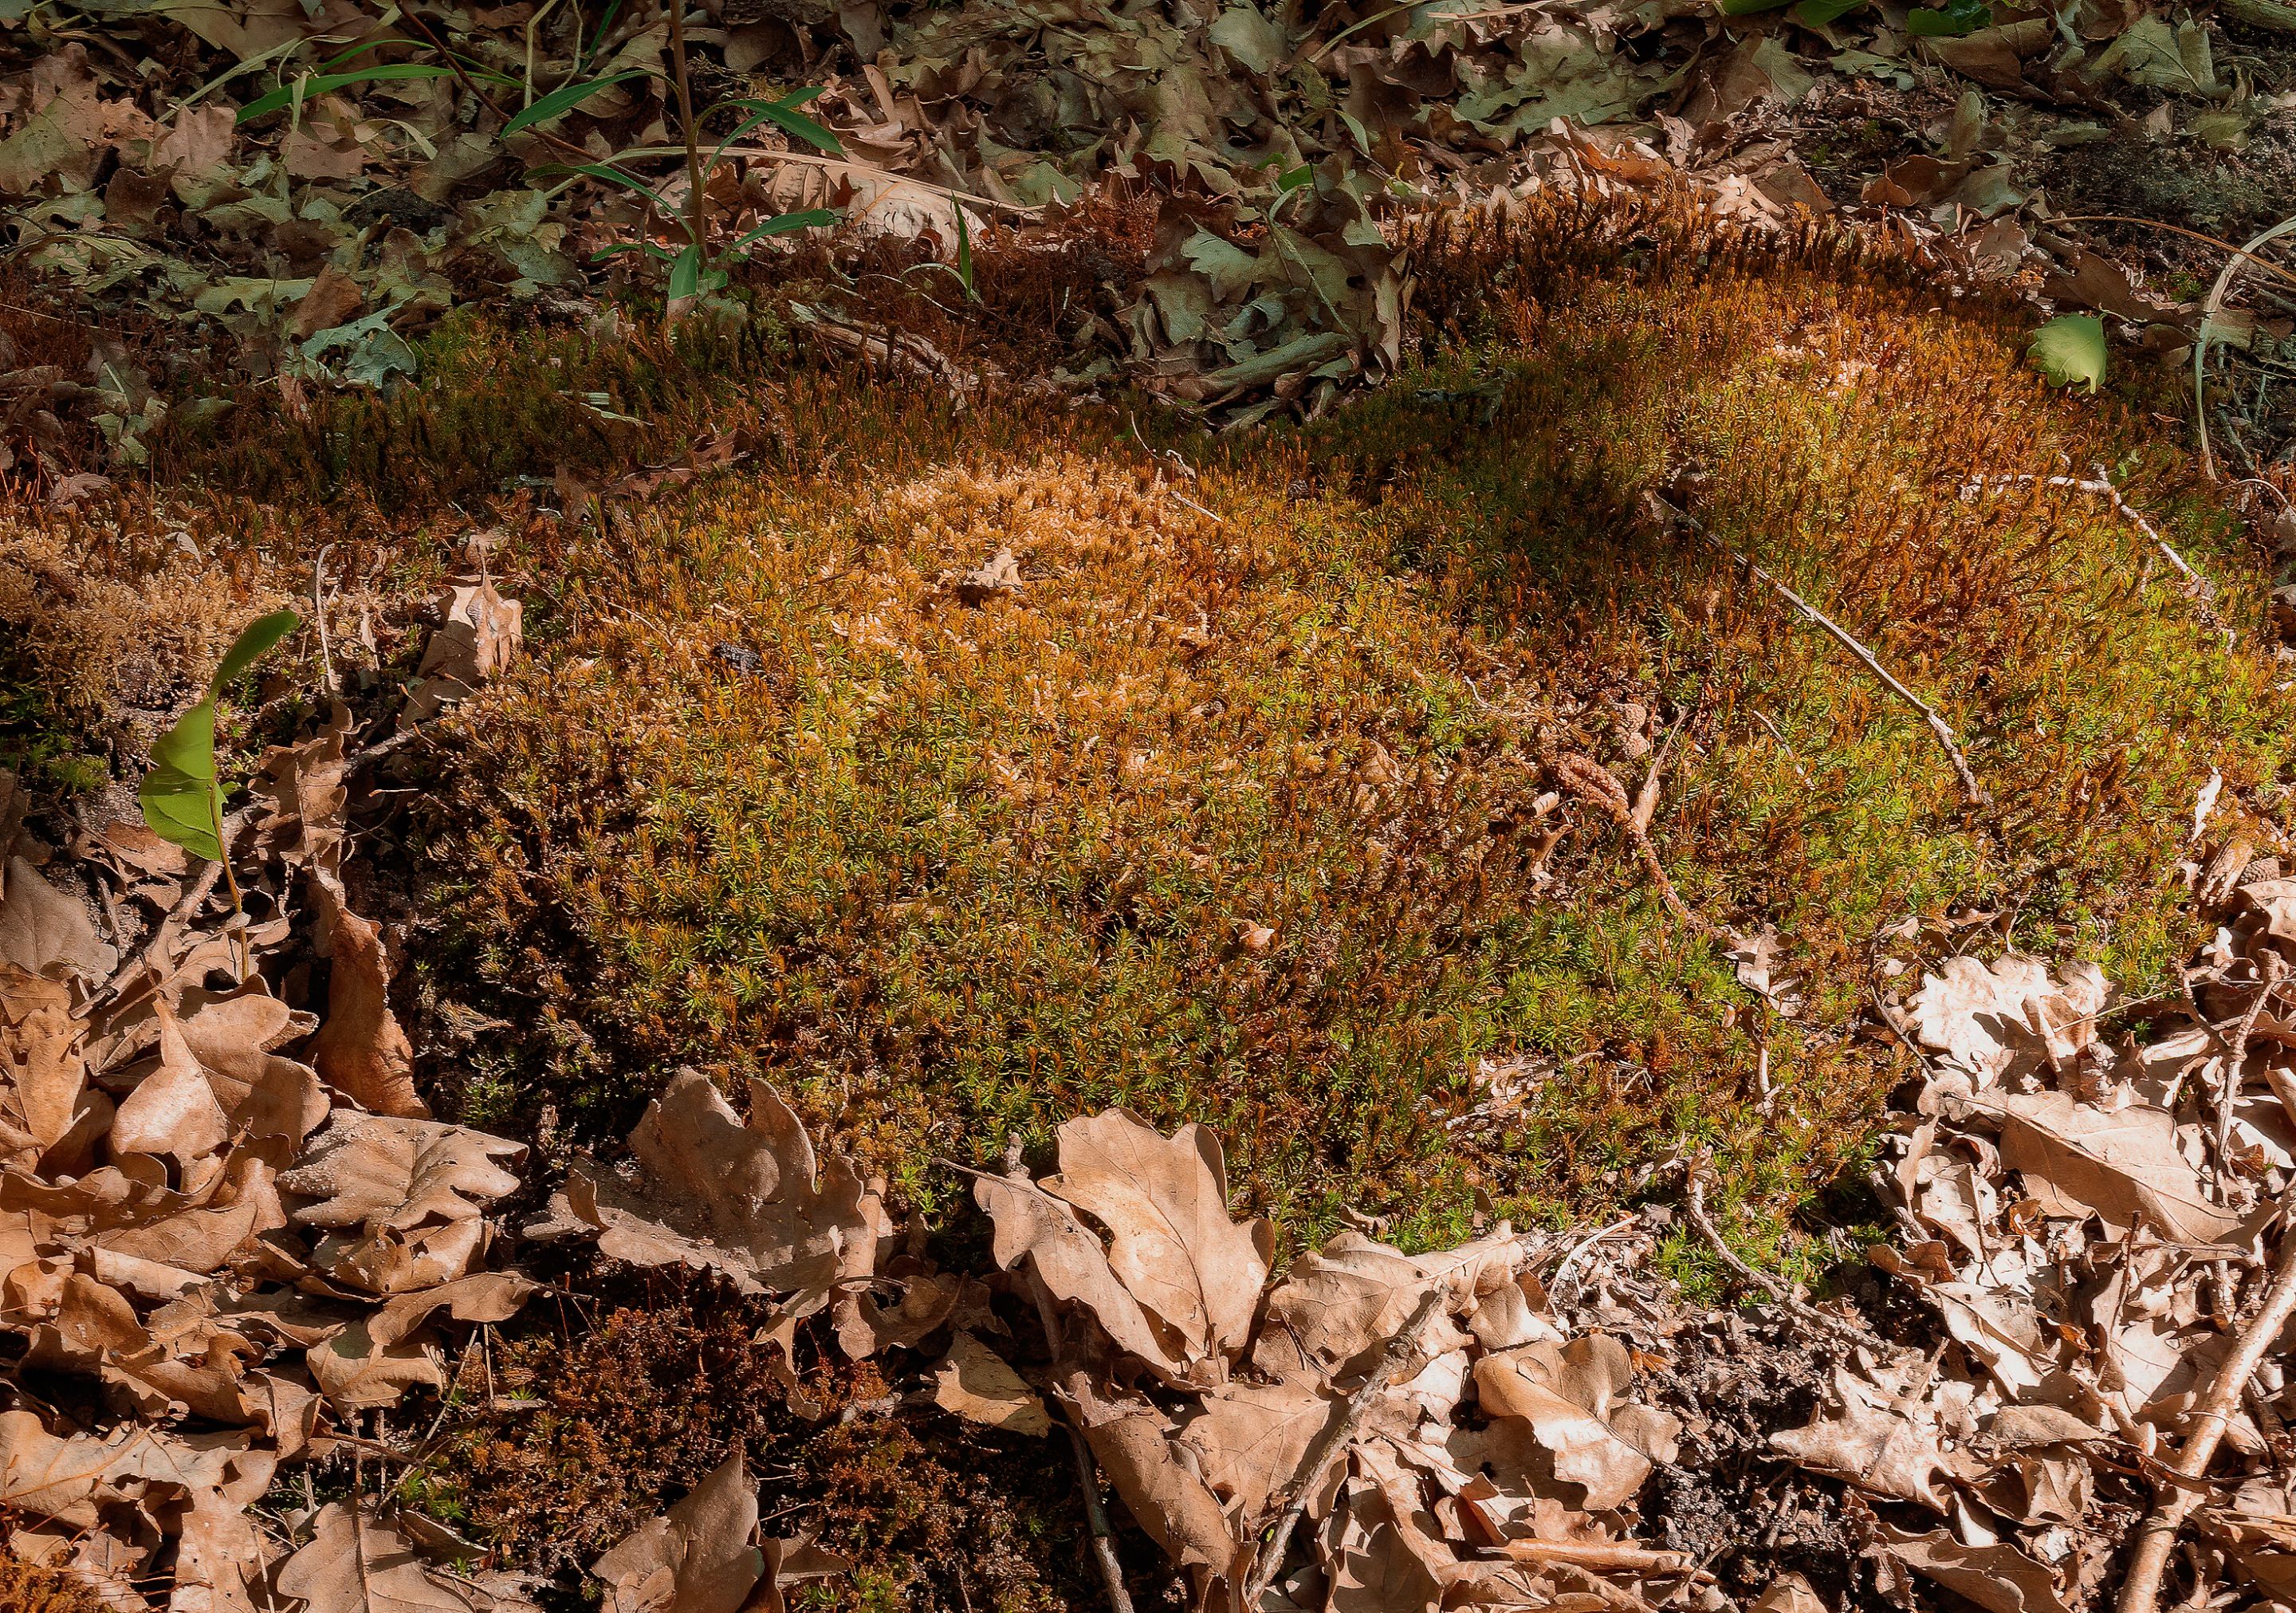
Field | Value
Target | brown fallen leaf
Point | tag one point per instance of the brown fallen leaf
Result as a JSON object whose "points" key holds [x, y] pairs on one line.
{"points": [[46, 933], [1133, 1441], [2000, 1579], [973, 1381], [1557, 1397], [751, 1200], [372, 1170], [303, 824], [354, 1369], [1067, 1258], [488, 1296], [41, 1074], [699, 1558], [172, 1110], [356, 1563], [360, 1052], [1250, 1439], [478, 640], [2122, 1163], [1164, 1202], [1867, 1439]]}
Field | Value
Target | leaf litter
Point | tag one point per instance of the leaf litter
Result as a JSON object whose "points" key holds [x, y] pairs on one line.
{"points": [[313, 190]]}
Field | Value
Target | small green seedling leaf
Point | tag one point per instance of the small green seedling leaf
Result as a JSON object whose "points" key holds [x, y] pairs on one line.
{"points": [[1817, 13], [564, 98], [1747, 8], [782, 224], [181, 801], [2070, 349]]}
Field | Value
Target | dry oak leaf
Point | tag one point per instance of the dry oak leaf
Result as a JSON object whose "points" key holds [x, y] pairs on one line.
{"points": [[750, 1200], [374, 1170], [360, 1050], [488, 1296], [1564, 1393], [1999, 1578], [1991, 1022], [304, 782], [1337, 1308], [1251, 1438], [203, 1236], [354, 1369], [356, 1563], [1165, 1494], [41, 1074], [1164, 1202], [222, 1559], [479, 639], [1874, 1445], [1380, 1566], [973, 1381], [172, 1110], [44, 931], [699, 1558], [2123, 1164], [1069, 1260]]}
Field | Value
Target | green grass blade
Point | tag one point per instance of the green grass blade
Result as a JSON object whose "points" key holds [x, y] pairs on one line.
{"points": [[326, 83], [565, 97]]}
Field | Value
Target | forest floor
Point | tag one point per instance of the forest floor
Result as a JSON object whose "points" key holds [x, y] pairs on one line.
{"points": [[1434, 801]]}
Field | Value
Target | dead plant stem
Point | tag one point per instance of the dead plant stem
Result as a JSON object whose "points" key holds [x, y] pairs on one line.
{"points": [[2156, 1537], [1694, 1205]]}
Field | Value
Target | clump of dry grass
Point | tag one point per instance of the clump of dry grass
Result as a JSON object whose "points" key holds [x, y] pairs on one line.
{"points": [[27, 1587]]}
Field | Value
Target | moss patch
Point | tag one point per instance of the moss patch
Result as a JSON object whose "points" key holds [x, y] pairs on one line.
{"points": [[1232, 810]]}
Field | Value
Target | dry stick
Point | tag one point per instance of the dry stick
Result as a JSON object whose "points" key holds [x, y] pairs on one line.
{"points": [[2156, 1537], [1601, 1554], [1335, 1438], [1694, 1204], [1646, 798], [1833, 629], [2273, 967]]}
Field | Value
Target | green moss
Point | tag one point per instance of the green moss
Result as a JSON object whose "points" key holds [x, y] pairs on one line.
{"points": [[1242, 820]]}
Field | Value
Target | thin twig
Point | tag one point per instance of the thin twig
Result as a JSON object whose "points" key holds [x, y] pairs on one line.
{"points": [[1694, 1205], [1970, 788], [319, 615], [1335, 1438], [2273, 967], [2181, 1490], [1601, 1554]]}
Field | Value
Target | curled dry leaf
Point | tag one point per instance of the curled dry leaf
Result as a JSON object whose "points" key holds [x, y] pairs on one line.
{"points": [[358, 1563], [1164, 1202], [360, 1052], [750, 1200], [41, 1074], [1989, 1022], [46, 933]]}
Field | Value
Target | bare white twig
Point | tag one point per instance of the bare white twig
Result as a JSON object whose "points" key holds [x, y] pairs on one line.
{"points": [[1970, 788]]}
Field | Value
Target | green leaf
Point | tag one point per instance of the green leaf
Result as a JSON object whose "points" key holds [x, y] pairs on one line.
{"points": [[180, 803], [1959, 17], [785, 115], [179, 795], [1286, 184], [326, 83], [253, 643], [562, 99], [782, 224], [2070, 349], [1747, 8], [965, 254], [1817, 13]]}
